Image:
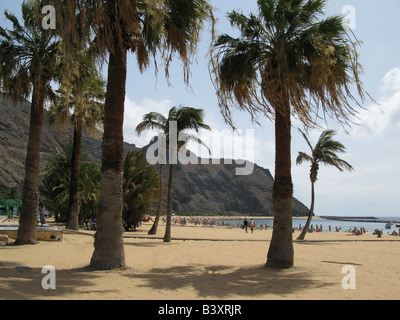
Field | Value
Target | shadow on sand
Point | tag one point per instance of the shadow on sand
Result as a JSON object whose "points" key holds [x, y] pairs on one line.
{"points": [[208, 282], [221, 282], [24, 283]]}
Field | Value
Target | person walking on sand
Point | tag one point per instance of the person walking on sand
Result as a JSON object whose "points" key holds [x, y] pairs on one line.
{"points": [[252, 225], [245, 224]]}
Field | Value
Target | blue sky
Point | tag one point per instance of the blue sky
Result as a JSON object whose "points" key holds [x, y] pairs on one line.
{"points": [[373, 147]]}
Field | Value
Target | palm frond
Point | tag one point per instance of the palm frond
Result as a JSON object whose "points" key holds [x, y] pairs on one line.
{"points": [[303, 157], [152, 120], [187, 137]]}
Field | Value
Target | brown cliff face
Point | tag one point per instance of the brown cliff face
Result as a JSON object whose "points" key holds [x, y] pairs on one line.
{"points": [[202, 188], [215, 188]]}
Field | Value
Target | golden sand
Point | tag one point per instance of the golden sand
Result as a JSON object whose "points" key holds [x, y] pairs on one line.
{"points": [[208, 263]]}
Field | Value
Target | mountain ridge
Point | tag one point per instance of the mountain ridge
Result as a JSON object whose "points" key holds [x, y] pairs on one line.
{"points": [[198, 188]]}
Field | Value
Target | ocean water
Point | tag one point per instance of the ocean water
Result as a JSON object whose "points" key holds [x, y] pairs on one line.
{"points": [[370, 226]]}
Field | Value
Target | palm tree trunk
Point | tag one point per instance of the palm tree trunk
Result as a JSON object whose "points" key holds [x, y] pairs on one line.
{"points": [[167, 236], [307, 226], [73, 220], [30, 194], [109, 247], [153, 229], [281, 252]]}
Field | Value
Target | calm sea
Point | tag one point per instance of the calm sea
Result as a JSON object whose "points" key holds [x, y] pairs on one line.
{"points": [[370, 226]]}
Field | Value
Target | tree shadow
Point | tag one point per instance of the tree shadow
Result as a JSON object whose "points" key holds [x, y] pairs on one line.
{"points": [[18, 282], [312, 243], [221, 282], [142, 244]]}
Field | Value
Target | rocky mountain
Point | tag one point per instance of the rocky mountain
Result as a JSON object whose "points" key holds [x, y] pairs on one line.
{"points": [[217, 188], [198, 188]]}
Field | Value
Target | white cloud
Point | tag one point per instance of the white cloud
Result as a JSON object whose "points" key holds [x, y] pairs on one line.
{"points": [[134, 115], [391, 80], [385, 116]]}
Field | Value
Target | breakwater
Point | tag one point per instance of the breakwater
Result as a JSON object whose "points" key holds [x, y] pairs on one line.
{"points": [[360, 219]]}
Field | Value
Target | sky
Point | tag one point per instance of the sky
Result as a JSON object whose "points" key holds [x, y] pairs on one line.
{"points": [[372, 146]]}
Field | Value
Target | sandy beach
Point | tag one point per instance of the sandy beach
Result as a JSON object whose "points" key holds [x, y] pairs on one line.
{"points": [[206, 263]]}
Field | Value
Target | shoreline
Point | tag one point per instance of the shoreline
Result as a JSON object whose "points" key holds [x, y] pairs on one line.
{"points": [[237, 217]]}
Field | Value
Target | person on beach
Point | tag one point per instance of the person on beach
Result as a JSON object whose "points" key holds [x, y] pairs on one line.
{"points": [[252, 225], [10, 215], [245, 224], [42, 215]]}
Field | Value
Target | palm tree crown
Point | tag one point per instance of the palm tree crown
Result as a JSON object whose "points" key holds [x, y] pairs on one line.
{"points": [[28, 55], [287, 48], [144, 27], [186, 118], [325, 151]]}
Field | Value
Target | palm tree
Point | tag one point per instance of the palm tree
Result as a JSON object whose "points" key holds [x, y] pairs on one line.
{"points": [[185, 118], [287, 61], [82, 93], [324, 152], [28, 55], [141, 182], [150, 121], [145, 28], [57, 183]]}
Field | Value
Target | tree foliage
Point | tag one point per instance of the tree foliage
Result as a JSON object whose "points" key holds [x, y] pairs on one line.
{"points": [[56, 183], [28, 56], [145, 27], [140, 188], [80, 98]]}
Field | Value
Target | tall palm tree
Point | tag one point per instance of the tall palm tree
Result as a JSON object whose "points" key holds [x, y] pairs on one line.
{"points": [[154, 120], [28, 55], [287, 61], [145, 28], [185, 118], [81, 99], [324, 152]]}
